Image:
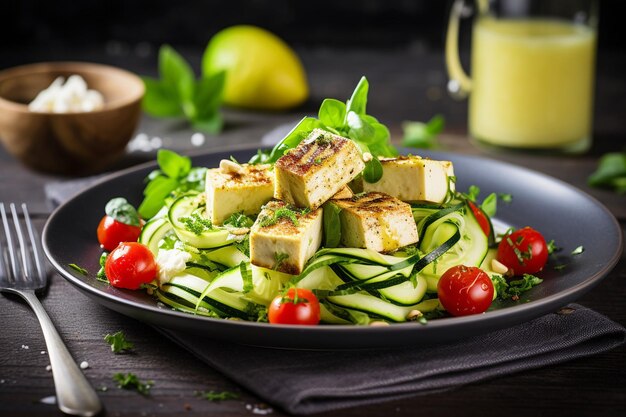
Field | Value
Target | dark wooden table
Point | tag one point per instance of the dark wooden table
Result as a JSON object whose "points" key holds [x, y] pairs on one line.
{"points": [[404, 86]]}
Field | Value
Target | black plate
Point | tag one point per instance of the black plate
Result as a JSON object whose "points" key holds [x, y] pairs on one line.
{"points": [[560, 211]]}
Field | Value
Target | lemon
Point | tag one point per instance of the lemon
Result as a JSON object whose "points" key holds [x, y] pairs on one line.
{"points": [[263, 72]]}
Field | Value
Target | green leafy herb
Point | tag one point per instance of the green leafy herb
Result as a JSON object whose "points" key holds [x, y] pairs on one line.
{"points": [[239, 220], [423, 135], [279, 259], [101, 275], [611, 172], [122, 211], [196, 224], [243, 245], [78, 269], [349, 120], [472, 193], [512, 289], [505, 198], [216, 395], [373, 171], [118, 342], [490, 205], [130, 381], [282, 212], [331, 224], [178, 94], [174, 176], [578, 250]]}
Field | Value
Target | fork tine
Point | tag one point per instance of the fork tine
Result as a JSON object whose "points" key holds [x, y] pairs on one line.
{"points": [[10, 246], [36, 246], [22, 244]]}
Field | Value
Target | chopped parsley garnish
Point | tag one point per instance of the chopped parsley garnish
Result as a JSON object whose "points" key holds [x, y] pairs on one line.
{"points": [[512, 289], [78, 269], [216, 395], [239, 220], [279, 259], [243, 245], [101, 275], [323, 140], [130, 381], [506, 198], [552, 247], [283, 212], [196, 224], [118, 342]]}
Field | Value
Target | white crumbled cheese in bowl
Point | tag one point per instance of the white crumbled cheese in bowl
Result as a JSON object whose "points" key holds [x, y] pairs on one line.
{"points": [[171, 262], [69, 96]]}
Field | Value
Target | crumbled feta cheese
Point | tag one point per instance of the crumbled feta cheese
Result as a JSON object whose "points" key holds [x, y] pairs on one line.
{"points": [[67, 96], [170, 262]]}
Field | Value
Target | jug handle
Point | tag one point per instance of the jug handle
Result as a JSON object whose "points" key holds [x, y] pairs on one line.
{"points": [[460, 83]]}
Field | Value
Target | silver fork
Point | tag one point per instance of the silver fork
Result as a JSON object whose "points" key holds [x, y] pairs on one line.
{"points": [[22, 272]]}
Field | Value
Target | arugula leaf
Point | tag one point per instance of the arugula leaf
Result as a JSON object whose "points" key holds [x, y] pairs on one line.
{"points": [[423, 135], [130, 381], [611, 172], [118, 342], [177, 93], [332, 225], [122, 211]]}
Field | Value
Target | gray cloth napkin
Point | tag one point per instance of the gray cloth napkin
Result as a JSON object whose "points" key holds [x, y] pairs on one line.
{"points": [[307, 382]]}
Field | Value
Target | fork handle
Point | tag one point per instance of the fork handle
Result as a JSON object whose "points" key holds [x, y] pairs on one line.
{"points": [[75, 395]]}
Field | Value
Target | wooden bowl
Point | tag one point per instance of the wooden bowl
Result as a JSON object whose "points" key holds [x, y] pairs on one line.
{"points": [[76, 143]]}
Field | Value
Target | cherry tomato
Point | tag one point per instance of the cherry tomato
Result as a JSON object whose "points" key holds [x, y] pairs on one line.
{"points": [[298, 306], [465, 290], [130, 265], [111, 232], [481, 218], [524, 251]]}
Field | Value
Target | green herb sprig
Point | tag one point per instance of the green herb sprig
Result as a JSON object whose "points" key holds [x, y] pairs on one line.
{"points": [[118, 342], [178, 94], [174, 176], [130, 381], [349, 120], [216, 395], [423, 135], [122, 211], [611, 172], [512, 289]]}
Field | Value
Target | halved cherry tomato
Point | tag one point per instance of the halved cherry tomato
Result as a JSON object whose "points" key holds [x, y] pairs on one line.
{"points": [[481, 218], [111, 232], [129, 265], [298, 306], [524, 251], [465, 290]]}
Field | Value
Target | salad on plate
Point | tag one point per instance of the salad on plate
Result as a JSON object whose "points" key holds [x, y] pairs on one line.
{"points": [[330, 226]]}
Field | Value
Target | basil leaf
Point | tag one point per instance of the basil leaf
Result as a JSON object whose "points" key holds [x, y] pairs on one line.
{"points": [[122, 211], [158, 101], [359, 128], [332, 113], [172, 164], [373, 171], [490, 205], [611, 172], [332, 225], [358, 101], [207, 96], [154, 200], [422, 135], [176, 73]]}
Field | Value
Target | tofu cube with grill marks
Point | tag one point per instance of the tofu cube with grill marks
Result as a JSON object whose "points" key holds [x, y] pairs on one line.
{"points": [[234, 188], [284, 238], [412, 178], [317, 169], [376, 221]]}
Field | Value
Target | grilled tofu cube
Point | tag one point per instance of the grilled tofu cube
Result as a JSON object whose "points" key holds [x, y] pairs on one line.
{"points": [[412, 178], [234, 188], [284, 238], [376, 221], [317, 169]]}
